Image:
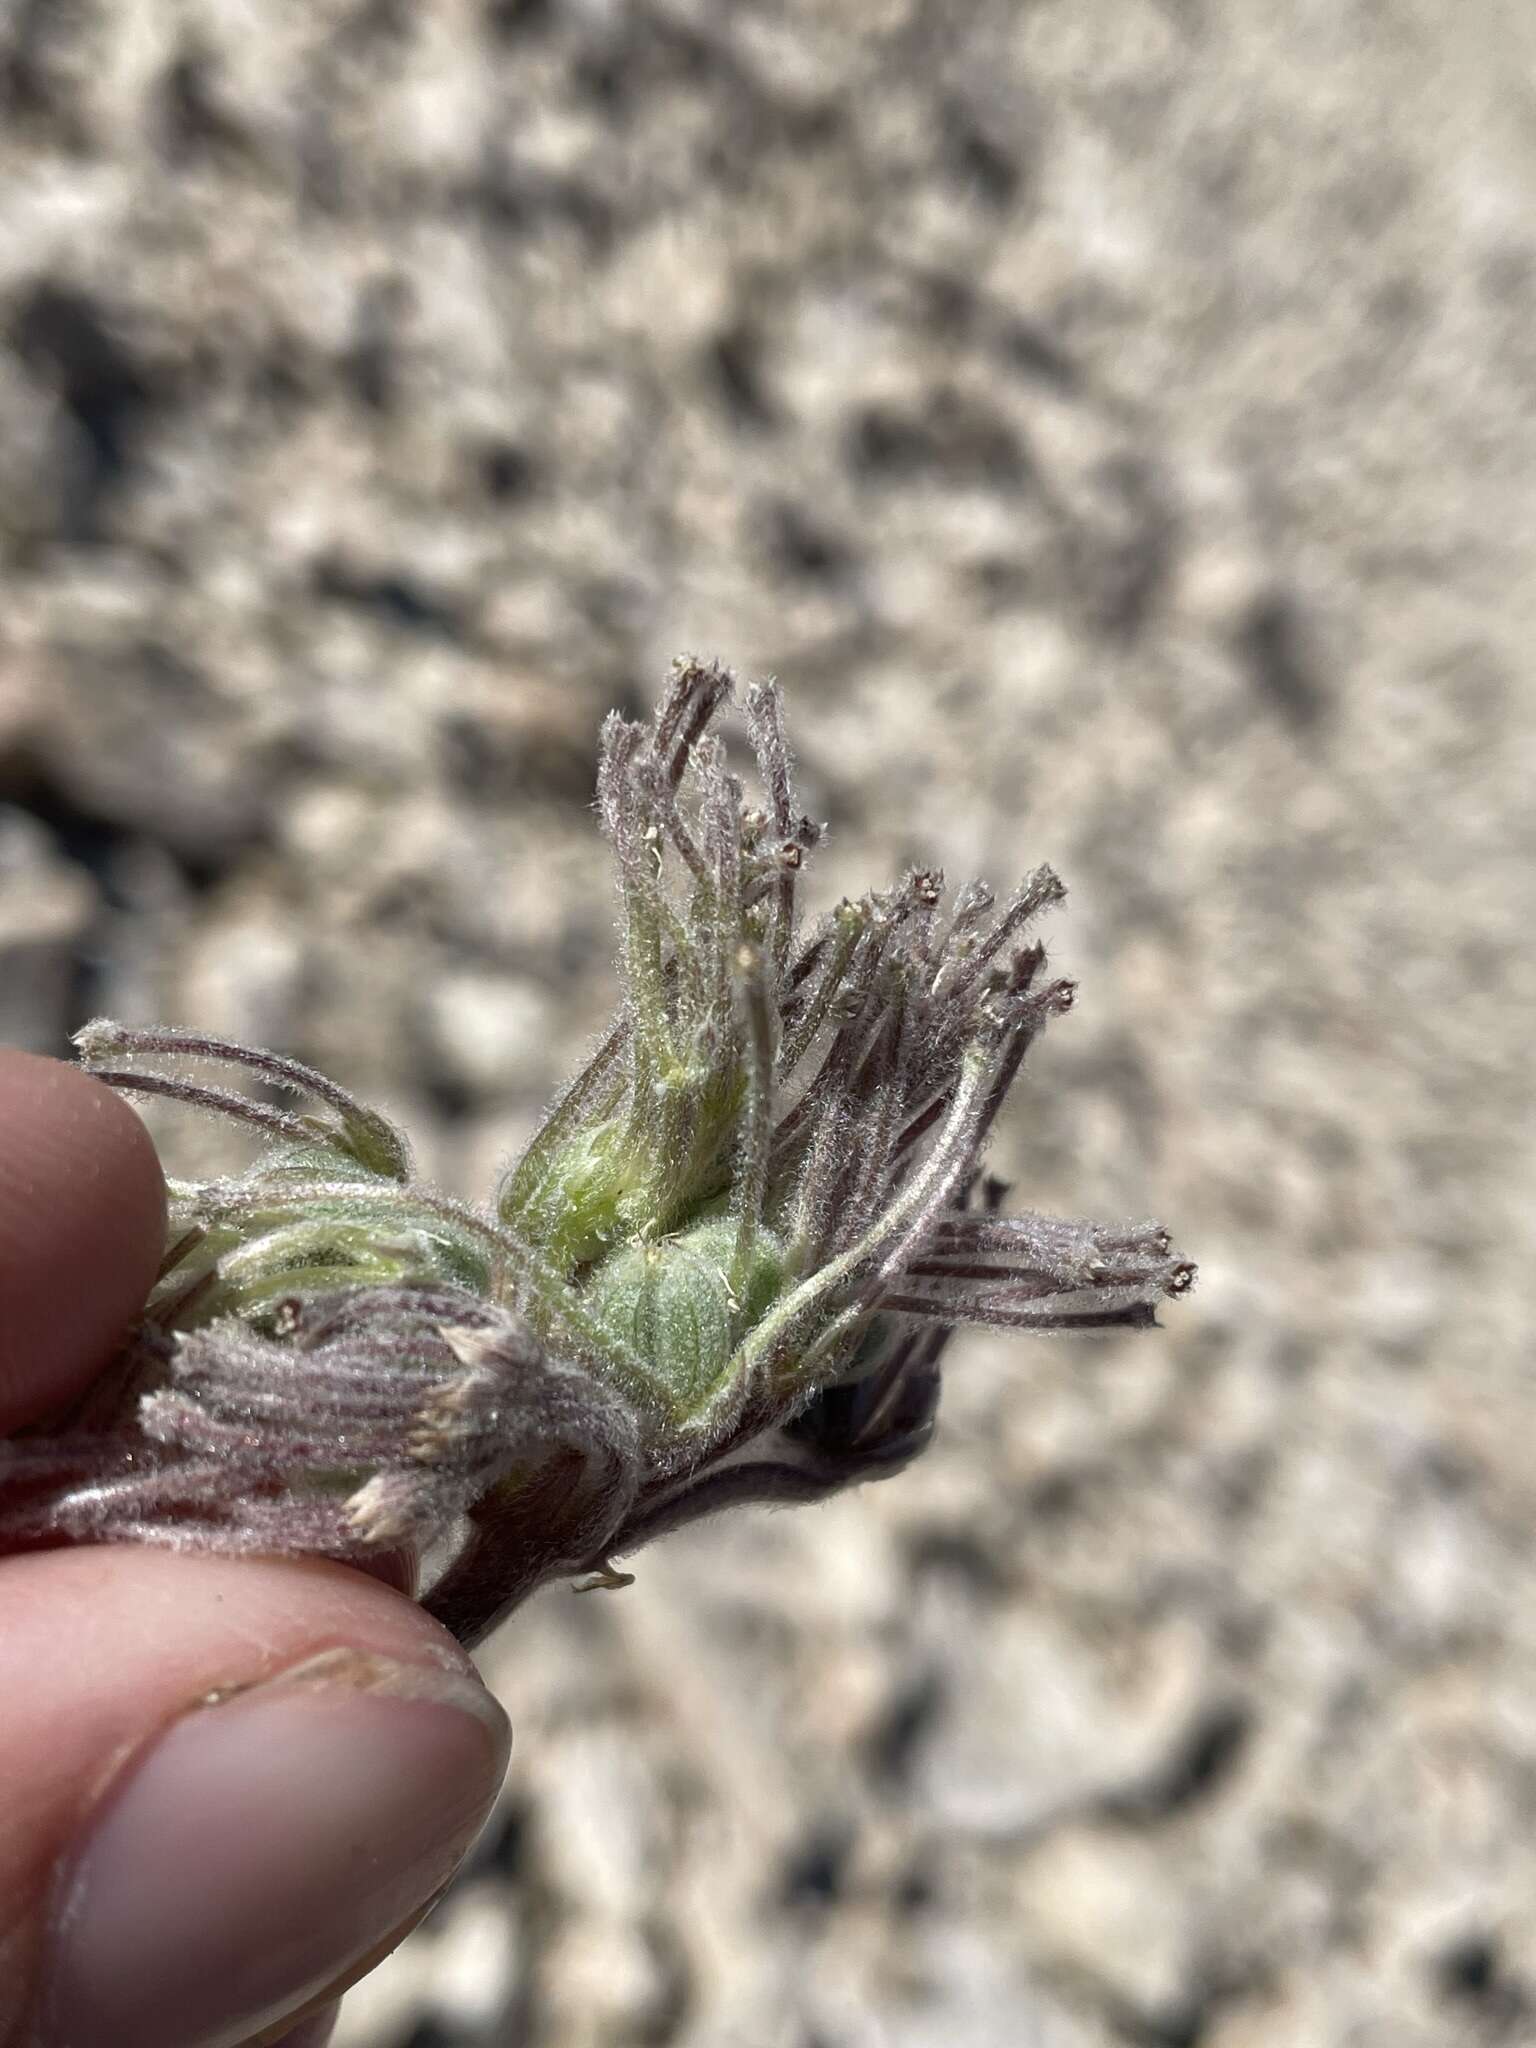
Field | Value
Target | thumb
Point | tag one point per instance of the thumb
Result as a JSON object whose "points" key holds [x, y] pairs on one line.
{"points": [[227, 1788]]}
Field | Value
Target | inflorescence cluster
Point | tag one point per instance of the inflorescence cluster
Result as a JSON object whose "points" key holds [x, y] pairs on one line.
{"points": [[723, 1270]]}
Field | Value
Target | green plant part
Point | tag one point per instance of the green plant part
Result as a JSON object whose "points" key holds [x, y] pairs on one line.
{"points": [[724, 1269], [683, 1304]]}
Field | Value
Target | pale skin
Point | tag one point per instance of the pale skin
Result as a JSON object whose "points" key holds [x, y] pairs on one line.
{"points": [[110, 1763]]}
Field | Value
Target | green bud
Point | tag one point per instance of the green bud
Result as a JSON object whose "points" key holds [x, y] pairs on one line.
{"points": [[584, 1191], [672, 1302]]}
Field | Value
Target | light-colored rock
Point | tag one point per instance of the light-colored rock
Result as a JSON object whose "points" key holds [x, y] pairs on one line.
{"points": [[47, 905]]}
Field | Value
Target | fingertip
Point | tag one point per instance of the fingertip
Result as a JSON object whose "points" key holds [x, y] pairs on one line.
{"points": [[354, 1756], [82, 1229]]}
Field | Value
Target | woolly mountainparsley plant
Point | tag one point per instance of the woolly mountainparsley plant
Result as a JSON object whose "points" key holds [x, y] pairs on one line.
{"points": [[723, 1270]]}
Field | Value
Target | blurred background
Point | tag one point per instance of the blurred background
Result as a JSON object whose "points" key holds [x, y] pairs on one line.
{"points": [[1115, 422]]}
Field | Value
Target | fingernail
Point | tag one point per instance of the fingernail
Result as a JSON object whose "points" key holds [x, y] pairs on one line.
{"points": [[268, 1840]]}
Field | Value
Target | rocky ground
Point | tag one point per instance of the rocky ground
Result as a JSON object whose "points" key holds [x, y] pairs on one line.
{"points": [[1115, 422]]}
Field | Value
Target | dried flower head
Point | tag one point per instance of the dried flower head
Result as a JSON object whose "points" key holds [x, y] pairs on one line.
{"points": [[723, 1270]]}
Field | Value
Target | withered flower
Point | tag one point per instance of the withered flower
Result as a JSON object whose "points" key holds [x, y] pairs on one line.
{"points": [[724, 1269]]}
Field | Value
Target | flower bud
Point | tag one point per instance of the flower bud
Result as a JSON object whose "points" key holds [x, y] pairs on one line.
{"points": [[673, 1301]]}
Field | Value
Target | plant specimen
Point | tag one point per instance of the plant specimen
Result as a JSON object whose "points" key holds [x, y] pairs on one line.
{"points": [[724, 1269]]}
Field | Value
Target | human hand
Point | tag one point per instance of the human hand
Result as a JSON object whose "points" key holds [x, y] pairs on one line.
{"points": [[228, 1787]]}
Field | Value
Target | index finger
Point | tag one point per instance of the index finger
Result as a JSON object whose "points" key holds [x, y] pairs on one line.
{"points": [[82, 1230]]}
